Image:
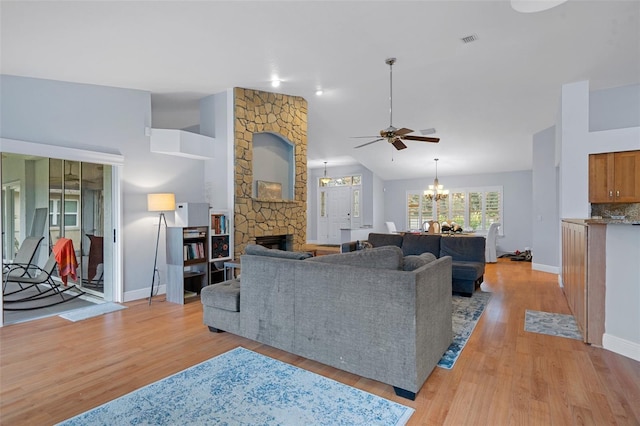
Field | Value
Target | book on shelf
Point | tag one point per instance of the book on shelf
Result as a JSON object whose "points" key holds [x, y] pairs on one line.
{"points": [[194, 251], [194, 234], [218, 224]]}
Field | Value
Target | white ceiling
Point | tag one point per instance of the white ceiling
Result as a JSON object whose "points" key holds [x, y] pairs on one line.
{"points": [[486, 99]]}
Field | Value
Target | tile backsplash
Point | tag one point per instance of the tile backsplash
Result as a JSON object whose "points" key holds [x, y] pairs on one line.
{"points": [[630, 210]]}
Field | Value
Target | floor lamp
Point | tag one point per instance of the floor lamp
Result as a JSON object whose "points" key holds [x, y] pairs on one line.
{"points": [[159, 203]]}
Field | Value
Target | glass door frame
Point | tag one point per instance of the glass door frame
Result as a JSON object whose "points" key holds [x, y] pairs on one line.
{"points": [[92, 155]]}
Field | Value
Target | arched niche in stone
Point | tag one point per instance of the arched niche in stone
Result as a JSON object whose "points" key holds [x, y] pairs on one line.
{"points": [[273, 163]]}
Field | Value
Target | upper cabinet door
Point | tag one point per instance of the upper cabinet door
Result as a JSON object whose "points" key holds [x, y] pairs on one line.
{"points": [[627, 177], [614, 177], [601, 177]]}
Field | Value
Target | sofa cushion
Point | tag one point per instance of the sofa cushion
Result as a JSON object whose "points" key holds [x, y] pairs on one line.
{"points": [[418, 244], [258, 250], [379, 240], [467, 270], [386, 257], [224, 295], [467, 249], [412, 262]]}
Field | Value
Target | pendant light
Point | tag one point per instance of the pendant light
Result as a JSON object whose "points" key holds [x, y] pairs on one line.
{"points": [[324, 181]]}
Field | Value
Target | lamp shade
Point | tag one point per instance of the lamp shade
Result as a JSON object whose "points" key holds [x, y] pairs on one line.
{"points": [[161, 202]]}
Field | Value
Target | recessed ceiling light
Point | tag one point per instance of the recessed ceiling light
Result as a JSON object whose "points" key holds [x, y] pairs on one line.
{"points": [[275, 83], [319, 92]]}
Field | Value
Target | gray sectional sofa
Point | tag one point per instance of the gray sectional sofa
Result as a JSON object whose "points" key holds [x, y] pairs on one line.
{"points": [[467, 254], [374, 313]]}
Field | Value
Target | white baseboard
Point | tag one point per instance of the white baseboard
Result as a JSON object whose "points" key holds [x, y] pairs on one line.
{"points": [[621, 346], [545, 268], [143, 293]]}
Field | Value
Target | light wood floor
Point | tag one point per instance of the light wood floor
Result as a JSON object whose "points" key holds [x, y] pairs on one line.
{"points": [[52, 369]]}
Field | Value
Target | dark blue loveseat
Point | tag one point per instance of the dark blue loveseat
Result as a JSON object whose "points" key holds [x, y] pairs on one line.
{"points": [[467, 254]]}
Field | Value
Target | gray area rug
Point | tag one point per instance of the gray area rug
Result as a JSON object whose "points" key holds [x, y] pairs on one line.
{"points": [[560, 325], [15, 317], [92, 311]]}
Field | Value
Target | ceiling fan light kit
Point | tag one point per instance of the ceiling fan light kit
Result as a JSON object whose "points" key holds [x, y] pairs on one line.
{"points": [[392, 134]]}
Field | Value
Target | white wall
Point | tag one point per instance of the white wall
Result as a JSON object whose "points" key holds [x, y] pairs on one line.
{"points": [[517, 202], [114, 119], [546, 224], [216, 121], [622, 302]]}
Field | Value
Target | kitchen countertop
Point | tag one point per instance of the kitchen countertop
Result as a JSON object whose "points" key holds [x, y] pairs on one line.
{"points": [[604, 221]]}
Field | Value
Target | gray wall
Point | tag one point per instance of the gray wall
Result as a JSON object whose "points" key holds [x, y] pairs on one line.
{"points": [[517, 202], [80, 115], [546, 221], [614, 108]]}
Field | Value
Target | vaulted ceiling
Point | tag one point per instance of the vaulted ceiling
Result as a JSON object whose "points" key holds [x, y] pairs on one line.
{"points": [[485, 99]]}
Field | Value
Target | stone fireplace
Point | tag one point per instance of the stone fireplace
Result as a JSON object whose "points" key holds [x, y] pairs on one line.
{"points": [[286, 116]]}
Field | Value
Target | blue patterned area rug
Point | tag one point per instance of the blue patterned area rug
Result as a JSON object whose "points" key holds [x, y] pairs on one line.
{"points": [[466, 313], [241, 387], [560, 325]]}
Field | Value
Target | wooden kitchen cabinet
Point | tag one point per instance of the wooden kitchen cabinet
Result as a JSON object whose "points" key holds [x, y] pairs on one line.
{"points": [[584, 275], [614, 177]]}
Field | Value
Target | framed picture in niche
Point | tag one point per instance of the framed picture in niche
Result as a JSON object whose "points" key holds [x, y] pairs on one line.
{"points": [[269, 190]]}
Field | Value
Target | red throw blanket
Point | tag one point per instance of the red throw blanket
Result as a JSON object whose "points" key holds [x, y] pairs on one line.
{"points": [[66, 259]]}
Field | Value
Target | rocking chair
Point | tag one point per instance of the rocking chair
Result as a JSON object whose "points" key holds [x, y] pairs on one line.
{"points": [[44, 278], [21, 265]]}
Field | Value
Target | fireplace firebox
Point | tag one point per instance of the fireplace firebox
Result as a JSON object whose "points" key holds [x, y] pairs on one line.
{"points": [[280, 242]]}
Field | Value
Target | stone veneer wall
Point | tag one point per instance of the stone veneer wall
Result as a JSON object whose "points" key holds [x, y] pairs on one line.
{"points": [[258, 112]]}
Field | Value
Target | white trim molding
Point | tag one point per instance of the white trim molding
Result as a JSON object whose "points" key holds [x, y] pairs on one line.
{"points": [[621, 346], [545, 268]]}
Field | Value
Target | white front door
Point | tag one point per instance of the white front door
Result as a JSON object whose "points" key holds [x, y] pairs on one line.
{"points": [[334, 213]]}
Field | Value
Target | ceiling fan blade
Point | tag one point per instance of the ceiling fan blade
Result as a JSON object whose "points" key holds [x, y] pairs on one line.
{"points": [[369, 143], [361, 137], [398, 144], [403, 131], [421, 138]]}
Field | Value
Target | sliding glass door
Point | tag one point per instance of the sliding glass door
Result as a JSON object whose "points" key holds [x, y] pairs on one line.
{"points": [[55, 198]]}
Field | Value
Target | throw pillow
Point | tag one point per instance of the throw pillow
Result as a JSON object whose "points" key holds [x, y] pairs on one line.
{"points": [[413, 262]]}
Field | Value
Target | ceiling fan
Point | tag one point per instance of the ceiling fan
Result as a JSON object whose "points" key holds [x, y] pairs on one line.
{"points": [[392, 134]]}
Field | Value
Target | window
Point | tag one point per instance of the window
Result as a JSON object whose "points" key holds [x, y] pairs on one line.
{"points": [[419, 210], [356, 203], [474, 208], [70, 213], [458, 208], [340, 181]]}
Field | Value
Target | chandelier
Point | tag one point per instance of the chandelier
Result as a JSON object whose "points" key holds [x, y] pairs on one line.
{"points": [[436, 191], [324, 181]]}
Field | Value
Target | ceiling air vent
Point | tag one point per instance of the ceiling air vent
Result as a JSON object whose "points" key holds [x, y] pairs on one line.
{"points": [[469, 39]]}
